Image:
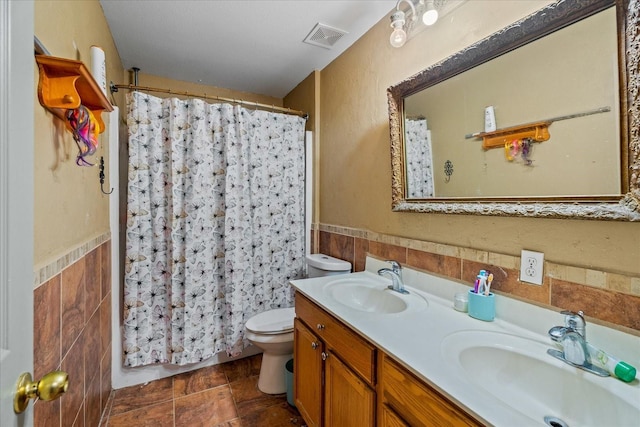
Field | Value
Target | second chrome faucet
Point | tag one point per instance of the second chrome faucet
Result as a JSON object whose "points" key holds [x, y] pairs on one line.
{"points": [[573, 339], [395, 273]]}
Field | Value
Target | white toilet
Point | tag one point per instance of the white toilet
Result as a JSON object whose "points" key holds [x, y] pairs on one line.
{"points": [[272, 330]]}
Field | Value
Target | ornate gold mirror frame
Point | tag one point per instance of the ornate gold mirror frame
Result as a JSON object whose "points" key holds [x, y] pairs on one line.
{"points": [[625, 207]]}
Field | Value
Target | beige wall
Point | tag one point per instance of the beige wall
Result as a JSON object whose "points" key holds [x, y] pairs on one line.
{"points": [[306, 97], [69, 208], [355, 166], [196, 89]]}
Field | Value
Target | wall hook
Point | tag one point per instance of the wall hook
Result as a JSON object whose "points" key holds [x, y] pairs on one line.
{"points": [[102, 177], [448, 170]]}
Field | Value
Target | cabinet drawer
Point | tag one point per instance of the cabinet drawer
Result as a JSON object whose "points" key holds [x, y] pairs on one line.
{"points": [[419, 404], [353, 349]]}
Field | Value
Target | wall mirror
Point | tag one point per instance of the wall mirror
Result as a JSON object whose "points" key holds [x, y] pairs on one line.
{"points": [[562, 90]]}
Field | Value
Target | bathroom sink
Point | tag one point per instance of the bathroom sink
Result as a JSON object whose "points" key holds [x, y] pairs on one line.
{"points": [[370, 296], [519, 372]]}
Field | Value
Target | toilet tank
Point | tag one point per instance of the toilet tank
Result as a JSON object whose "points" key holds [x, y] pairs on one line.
{"points": [[319, 265]]}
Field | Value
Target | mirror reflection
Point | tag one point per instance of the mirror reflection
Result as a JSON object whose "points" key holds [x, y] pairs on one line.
{"points": [[561, 90], [568, 79]]}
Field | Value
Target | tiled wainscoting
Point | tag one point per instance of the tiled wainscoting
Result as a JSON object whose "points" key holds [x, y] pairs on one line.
{"points": [[72, 333], [606, 296]]}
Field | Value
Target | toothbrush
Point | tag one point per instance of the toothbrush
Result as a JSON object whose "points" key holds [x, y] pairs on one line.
{"points": [[488, 286], [482, 285]]}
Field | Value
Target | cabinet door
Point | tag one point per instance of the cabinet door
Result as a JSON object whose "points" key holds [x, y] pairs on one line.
{"points": [[307, 387], [348, 400], [388, 418]]}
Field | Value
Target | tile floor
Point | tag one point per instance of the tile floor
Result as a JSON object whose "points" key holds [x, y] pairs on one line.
{"points": [[224, 395]]}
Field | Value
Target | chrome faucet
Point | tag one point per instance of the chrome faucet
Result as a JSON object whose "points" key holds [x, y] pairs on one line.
{"points": [[574, 343], [576, 322], [395, 272]]}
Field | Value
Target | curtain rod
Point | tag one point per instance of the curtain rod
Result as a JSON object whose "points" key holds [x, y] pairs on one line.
{"points": [[115, 87]]}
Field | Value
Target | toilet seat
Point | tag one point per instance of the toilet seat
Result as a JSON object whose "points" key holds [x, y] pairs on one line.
{"points": [[271, 322]]}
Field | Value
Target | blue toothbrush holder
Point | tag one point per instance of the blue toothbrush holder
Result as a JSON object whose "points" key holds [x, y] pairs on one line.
{"points": [[482, 307]]}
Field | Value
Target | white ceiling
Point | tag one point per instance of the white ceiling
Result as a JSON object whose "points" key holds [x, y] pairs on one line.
{"points": [[253, 46]]}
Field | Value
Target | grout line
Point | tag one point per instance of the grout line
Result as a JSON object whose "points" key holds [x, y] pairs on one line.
{"points": [[173, 398], [235, 403], [104, 418]]}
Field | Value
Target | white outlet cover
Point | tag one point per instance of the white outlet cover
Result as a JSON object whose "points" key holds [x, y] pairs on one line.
{"points": [[531, 267]]}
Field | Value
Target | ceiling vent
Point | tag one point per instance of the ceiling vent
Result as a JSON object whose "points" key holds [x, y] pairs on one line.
{"points": [[324, 36]]}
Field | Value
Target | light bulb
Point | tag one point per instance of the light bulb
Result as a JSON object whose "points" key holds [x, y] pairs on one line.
{"points": [[430, 17], [398, 38]]}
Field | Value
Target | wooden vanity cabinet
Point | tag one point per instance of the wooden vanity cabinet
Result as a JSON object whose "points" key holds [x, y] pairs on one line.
{"points": [[405, 400], [334, 381], [342, 380]]}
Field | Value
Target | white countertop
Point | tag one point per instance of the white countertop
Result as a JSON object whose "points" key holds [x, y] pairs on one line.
{"points": [[414, 337]]}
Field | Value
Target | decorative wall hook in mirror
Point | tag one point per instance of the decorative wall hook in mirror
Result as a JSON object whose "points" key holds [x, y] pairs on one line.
{"points": [[448, 170], [589, 167]]}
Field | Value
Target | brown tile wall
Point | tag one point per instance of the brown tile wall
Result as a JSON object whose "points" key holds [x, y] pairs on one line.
{"points": [[72, 332], [608, 297]]}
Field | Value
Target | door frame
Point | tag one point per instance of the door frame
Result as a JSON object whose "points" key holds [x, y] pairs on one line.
{"points": [[17, 95]]}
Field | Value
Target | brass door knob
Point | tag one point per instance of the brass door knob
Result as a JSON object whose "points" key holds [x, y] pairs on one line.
{"points": [[50, 387]]}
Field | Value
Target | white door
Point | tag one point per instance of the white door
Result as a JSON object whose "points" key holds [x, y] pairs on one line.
{"points": [[17, 95]]}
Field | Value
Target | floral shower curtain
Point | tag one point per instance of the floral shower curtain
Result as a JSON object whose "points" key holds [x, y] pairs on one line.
{"points": [[215, 225], [419, 159]]}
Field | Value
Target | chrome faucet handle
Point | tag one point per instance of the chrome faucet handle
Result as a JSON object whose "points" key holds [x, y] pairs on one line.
{"points": [[575, 321], [395, 266]]}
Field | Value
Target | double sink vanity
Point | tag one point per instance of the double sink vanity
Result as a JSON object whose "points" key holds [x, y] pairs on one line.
{"points": [[366, 355]]}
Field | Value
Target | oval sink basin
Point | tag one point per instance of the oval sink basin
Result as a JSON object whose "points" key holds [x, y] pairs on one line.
{"points": [[372, 297], [520, 373]]}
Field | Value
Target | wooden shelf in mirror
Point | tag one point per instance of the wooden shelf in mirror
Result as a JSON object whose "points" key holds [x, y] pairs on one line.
{"points": [[65, 84], [537, 132]]}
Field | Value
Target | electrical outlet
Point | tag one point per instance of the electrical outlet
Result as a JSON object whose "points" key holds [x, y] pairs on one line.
{"points": [[531, 267]]}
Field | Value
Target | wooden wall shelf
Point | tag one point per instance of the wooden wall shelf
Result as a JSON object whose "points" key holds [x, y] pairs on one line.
{"points": [[537, 132], [65, 84]]}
